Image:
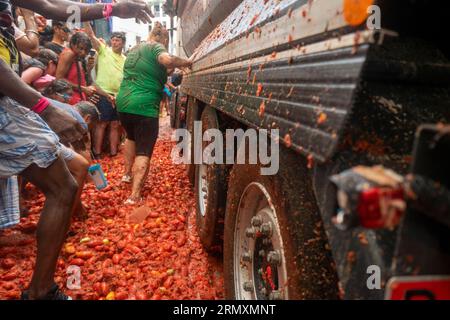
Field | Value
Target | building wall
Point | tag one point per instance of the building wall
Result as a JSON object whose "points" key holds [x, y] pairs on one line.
{"points": [[139, 32]]}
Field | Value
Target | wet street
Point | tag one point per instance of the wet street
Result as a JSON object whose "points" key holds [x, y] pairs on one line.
{"points": [[150, 251]]}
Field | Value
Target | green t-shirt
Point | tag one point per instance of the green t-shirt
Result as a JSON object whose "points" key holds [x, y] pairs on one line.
{"points": [[144, 78], [110, 69]]}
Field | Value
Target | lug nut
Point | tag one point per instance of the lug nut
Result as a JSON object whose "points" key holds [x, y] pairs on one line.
{"points": [[275, 295], [204, 189], [247, 257], [266, 242], [262, 253], [264, 291], [266, 229], [257, 221], [248, 286], [250, 233], [274, 258], [204, 177]]}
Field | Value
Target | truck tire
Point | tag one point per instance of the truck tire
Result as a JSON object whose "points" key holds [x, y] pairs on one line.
{"points": [[275, 246], [173, 110], [191, 117], [210, 193]]}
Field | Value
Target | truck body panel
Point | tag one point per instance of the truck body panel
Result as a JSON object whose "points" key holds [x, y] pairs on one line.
{"points": [[340, 95]]}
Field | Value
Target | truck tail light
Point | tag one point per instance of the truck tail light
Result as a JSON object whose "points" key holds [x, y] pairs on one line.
{"points": [[381, 208]]}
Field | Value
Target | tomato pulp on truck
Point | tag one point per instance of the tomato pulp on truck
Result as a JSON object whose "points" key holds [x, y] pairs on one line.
{"points": [[341, 94]]}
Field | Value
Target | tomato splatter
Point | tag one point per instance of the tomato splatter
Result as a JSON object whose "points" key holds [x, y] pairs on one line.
{"points": [[159, 258]]}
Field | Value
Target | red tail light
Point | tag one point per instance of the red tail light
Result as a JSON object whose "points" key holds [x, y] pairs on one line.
{"points": [[381, 208]]}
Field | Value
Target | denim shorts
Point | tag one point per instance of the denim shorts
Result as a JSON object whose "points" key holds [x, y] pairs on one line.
{"points": [[107, 111]]}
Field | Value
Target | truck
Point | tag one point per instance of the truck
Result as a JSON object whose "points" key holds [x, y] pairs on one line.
{"points": [[346, 83]]}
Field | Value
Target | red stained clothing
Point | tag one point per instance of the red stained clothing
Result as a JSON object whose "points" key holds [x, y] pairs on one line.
{"points": [[73, 77]]}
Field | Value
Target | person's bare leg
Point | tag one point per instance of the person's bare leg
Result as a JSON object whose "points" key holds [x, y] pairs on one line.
{"points": [[130, 154], [59, 188], [114, 137], [100, 129], [140, 173], [78, 167]]}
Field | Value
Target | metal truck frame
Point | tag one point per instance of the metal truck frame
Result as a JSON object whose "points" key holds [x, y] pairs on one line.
{"points": [[343, 92]]}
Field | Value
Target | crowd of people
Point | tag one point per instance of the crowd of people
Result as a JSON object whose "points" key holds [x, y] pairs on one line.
{"points": [[60, 89]]}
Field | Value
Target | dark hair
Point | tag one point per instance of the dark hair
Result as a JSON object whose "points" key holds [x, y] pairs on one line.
{"points": [[57, 86], [86, 108], [60, 25], [120, 35], [47, 55], [81, 38]]}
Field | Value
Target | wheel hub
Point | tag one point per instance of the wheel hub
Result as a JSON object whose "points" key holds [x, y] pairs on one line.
{"points": [[259, 263], [203, 188]]}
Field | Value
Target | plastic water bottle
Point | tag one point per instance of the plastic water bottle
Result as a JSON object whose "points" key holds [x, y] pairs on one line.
{"points": [[168, 92], [98, 177]]}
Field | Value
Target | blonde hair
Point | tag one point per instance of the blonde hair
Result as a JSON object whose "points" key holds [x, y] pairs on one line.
{"points": [[159, 34]]}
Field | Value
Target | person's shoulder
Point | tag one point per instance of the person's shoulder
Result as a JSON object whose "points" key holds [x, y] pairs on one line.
{"points": [[103, 48], [159, 48], [67, 53]]}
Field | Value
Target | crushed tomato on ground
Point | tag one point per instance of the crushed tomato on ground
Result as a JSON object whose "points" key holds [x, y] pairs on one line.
{"points": [[123, 252]]}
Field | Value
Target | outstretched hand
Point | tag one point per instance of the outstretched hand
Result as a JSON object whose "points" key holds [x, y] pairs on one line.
{"points": [[138, 9], [63, 124]]}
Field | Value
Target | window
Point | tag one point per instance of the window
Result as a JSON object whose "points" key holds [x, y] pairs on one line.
{"points": [[157, 10]]}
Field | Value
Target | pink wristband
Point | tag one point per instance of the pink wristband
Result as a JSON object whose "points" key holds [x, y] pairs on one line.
{"points": [[41, 106], [107, 11]]}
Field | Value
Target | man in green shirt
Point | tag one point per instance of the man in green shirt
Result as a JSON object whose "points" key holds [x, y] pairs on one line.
{"points": [[145, 75], [110, 63]]}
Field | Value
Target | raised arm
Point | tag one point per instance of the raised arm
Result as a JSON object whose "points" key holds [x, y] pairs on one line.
{"points": [[96, 44], [29, 43], [60, 9], [172, 62]]}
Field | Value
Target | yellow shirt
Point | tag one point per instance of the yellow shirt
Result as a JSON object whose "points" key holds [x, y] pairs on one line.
{"points": [[109, 69], [8, 51]]}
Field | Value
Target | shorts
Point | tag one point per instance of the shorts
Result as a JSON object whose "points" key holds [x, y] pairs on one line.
{"points": [[142, 130], [25, 139], [9, 202], [67, 154], [107, 111]]}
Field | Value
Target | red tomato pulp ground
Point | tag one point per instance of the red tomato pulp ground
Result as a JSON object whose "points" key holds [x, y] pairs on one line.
{"points": [[160, 258]]}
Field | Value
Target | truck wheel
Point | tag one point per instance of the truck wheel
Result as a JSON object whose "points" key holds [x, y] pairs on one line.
{"points": [[210, 193], [173, 110], [274, 242], [191, 117]]}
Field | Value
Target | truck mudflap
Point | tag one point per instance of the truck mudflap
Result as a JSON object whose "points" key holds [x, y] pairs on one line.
{"points": [[416, 208], [421, 264]]}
